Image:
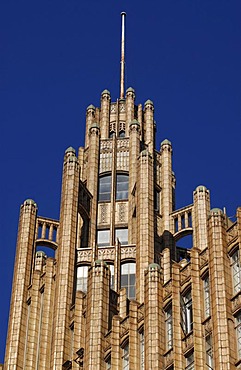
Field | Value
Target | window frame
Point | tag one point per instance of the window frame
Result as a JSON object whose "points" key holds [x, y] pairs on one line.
{"points": [[186, 312], [236, 275], [85, 269], [129, 285], [168, 327], [122, 194], [209, 352], [125, 356], [238, 333], [101, 197], [206, 296]]}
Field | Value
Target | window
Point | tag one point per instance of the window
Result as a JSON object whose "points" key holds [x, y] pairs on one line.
{"points": [[82, 277], [112, 275], [206, 288], [157, 200], [103, 238], [125, 357], [238, 333], [209, 352], [128, 279], [190, 362], [104, 188], [236, 272], [122, 183], [169, 328], [142, 350], [122, 235], [186, 313]]}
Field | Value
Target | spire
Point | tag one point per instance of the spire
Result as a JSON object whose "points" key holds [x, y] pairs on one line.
{"points": [[122, 77]]}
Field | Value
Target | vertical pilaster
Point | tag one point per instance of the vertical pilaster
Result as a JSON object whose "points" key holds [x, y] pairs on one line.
{"points": [[133, 336], [166, 184], [35, 318], [220, 286], [97, 314], [92, 178], [145, 220], [18, 317], [198, 339], [130, 108], [79, 328], [149, 126], [90, 118], [176, 312], [201, 208], [134, 151], [115, 344], [61, 350], [44, 357], [105, 114], [154, 320]]}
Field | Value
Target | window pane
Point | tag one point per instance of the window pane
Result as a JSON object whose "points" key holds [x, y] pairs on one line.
{"points": [[105, 188], [128, 279], [122, 235], [122, 183], [82, 277], [103, 237]]}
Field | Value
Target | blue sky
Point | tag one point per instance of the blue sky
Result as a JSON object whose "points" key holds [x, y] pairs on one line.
{"points": [[58, 56]]}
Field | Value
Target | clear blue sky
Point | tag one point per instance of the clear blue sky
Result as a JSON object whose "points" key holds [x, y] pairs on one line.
{"points": [[58, 56]]}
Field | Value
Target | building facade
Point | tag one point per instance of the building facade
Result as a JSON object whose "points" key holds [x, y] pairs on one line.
{"points": [[119, 293]]}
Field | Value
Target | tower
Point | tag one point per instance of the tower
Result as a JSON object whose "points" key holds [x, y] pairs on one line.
{"points": [[119, 292]]}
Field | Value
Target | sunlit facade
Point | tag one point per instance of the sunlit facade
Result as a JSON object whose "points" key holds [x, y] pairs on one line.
{"points": [[110, 285]]}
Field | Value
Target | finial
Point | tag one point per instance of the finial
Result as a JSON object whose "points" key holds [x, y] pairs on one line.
{"points": [[122, 77]]}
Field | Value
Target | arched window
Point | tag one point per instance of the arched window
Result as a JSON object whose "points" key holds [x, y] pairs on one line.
{"points": [[122, 183], [82, 277], [128, 279], [105, 188]]}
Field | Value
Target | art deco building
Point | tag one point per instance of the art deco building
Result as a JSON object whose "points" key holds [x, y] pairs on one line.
{"points": [[119, 293]]}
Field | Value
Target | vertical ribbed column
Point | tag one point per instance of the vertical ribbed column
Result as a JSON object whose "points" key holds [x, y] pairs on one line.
{"points": [[177, 331], [44, 357], [199, 353], [90, 118], [97, 314], [201, 208], [79, 327], [130, 108], [166, 265], [154, 320], [134, 151], [149, 126], [18, 317], [145, 220], [115, 344], [35, 316], [61, 350], [166, 184], [92, 178], [220, 286], [105, 114], [117, 266], [133, 336]]}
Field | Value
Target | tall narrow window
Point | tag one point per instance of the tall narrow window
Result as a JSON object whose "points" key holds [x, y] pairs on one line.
{"points": [[142, 350], [236, 271], [190, 362], [122, 235], [82, 277], [125, 357], [238, 333], [186, 313], [103, 238], [122, 183], [206, 288], [209, 352], [169, 328], [112, 275], [128, 279], [104, 188]]}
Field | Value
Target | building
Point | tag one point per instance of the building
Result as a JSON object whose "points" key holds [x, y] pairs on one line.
{"points": [[119, 293]]}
